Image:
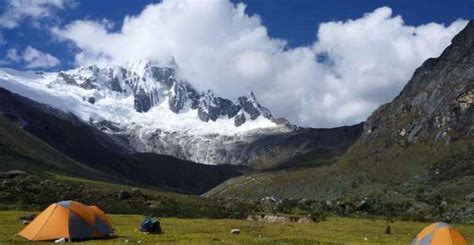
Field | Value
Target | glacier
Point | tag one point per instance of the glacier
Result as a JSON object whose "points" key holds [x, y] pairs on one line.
{"points": [[154, 110]]}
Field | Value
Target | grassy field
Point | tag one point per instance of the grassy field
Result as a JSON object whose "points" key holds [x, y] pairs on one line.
{"points": [[206, 231]]}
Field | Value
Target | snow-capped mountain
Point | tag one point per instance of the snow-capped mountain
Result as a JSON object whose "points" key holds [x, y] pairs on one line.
{"points": [[153, 109], [140, 93], [151, 85]]}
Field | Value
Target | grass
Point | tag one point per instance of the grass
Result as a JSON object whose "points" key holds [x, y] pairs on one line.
{"points": [[20, 150], [206, 231], [34, 193], [107, 186], [399, 165]]}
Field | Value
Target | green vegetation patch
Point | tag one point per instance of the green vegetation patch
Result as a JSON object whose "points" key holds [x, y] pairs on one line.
{"points": [[206, 231]]}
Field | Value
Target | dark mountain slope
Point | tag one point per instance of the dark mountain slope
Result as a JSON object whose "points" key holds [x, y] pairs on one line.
{"points": [[21, 150], [417, 150], [305, 147], [105, 154], [63, 131]]}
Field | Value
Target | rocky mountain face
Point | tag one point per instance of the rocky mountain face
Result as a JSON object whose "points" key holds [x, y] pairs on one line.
{"points": [[150, 110], [414, 159], [265, 147], [437, 103], [151, 84], [421, 145]]}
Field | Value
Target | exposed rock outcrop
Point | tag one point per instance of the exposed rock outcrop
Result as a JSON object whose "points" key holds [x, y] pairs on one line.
{"points": [[437, 102], [282, 218]]}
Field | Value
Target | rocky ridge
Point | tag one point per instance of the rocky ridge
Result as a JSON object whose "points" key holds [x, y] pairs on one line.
{"points": [[437, 103], [151, 84]]}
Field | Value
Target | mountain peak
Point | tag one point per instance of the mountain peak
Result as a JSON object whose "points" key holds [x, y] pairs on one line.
{"points": [[251, 95], [147, 87], [462, 46]]}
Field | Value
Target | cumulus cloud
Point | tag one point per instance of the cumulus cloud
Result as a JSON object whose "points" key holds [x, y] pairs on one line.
{"points": [[16, 11], [373, 57], [352, 67], [37, 59], [31, 57], [12, 55], [2, 39]]}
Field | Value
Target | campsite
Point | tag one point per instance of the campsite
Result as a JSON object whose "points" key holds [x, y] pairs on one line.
{"points": [[189, 219], [237, 122], [209, 231]]}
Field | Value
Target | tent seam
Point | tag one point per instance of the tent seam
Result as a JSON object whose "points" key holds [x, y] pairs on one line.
{"points": [[450, 235], [68, 224], [45, 222]]}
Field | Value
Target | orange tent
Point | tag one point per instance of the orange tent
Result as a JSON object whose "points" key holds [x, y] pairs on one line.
{"points": [[70, 220], [439, 234]]}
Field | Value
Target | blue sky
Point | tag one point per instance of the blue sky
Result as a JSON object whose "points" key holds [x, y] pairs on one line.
{"points": [[293, 20], [297, 20], [333, 62]]}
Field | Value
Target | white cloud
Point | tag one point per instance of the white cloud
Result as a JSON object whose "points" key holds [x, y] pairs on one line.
{"points": [[16, 11], [12, 55], [37, 59], [2, 39], [217, 45], [31, 57], [373, 57]]}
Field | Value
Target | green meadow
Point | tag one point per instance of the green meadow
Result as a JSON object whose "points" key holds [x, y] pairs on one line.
{"points": [[209, 231]]}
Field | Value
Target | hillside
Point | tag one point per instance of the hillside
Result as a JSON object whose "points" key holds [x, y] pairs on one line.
{"points": [[416, 152], [21, 150], [27, 191], [99, 154]]}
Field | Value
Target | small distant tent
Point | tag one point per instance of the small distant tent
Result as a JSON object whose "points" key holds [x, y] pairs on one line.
{"points": [[70, 220], [439, 233]]}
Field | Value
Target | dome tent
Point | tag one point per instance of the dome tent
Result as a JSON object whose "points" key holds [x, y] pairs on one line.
{"points": [[439, 233], [70, 220]]}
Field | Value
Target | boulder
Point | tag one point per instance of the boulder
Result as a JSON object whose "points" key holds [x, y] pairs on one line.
{"points": [[329, 203], [136, 191], [282, 218], [12, 173], [362, 205], [470, 197], [28, 217], [91, 100], [443, 204], [123, 195]]}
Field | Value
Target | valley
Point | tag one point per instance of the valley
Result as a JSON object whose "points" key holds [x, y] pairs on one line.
{"points": [[419, 138], [139, 138]]}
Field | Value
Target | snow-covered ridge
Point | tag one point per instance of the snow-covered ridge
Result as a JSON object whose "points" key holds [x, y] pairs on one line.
{"points": [[139, 95]]}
